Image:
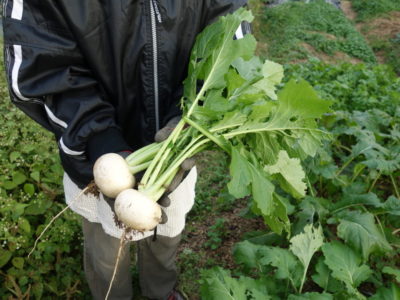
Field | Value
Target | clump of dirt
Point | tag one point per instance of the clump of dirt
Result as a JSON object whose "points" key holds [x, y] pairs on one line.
{"points": [[348, 10]]}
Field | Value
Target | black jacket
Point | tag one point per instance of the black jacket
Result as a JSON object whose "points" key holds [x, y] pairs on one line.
{"points": [[102, 75]]}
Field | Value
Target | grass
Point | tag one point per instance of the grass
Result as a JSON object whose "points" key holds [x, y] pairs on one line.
{"points": [[368, 9], [393, 53], [296, 30], [389, 48]]}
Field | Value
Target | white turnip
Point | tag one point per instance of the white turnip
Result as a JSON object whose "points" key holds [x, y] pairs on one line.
{"points": [[137, 211], [112, 175]]}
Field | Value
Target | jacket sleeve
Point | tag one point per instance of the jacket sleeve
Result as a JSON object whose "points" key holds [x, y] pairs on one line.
{"points": [[50, 81]]}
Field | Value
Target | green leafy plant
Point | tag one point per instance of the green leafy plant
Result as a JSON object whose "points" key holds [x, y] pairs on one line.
{"points": [[30, 194], [372, 8], [216, 233], [297, 30], [266, 135], [354, 199]]}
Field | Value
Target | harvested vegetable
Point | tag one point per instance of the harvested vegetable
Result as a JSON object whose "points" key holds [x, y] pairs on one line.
{"points": [[137, 211], [112, 175], [230, 101]]}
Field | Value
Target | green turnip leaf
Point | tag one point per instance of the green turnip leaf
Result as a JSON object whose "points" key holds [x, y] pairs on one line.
{"points": [[311, 296], [392, 271], [241, 175], [218, 284], [392, 293], [323, 277], [249, 254], [392, 206], [212, 54], [291, 174], [345, 265], [304, 246], [288, 267], [360, 231]]}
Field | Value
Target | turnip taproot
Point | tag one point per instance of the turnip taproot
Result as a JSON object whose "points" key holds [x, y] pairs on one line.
{"points": [[137, 211], [111, 174]]}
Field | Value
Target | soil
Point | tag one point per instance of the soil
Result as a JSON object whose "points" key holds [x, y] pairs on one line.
{"points": [[235, 227], [379, 29], [336, 57], [348, 10], [385, 27]]}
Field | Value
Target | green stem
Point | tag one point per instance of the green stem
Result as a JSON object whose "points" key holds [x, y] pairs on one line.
{"points": [[134, 169], [380, 225], [374, 182], [139, 152], [344, 207], [143, 155], [355, 176], [163, 159], [396, 189], [167, 143], [216, 129], [344, 166], [189, 152], [266, 129], [310, 186], [208, 134], [155, 194], [154, 189], [351, 159], [303, 280], [343, 147], [293, 285], [185, 136]]}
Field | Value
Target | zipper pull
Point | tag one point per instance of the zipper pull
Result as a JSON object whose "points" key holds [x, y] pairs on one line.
{"points": [[157, 11]]}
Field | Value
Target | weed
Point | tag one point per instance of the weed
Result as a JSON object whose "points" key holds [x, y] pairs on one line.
{"points": [[369, 9], [213, 169], [284, 28], [190, 264], [216, 234]]}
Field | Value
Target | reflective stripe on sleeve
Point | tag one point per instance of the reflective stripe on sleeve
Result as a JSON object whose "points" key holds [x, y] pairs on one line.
{"points": [[17, 9], [15, 72], [68, 150], [54, 118]]}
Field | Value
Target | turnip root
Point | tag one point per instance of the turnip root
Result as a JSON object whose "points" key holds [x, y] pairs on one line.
{"points": [[112, 175], [137, 211], [57, 216]]}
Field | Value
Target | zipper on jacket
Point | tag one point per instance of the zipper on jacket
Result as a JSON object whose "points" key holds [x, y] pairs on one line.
{"points": [[155, 16]]}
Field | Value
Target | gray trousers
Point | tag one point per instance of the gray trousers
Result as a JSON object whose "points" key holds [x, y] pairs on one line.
{"points": [[155, 262]]}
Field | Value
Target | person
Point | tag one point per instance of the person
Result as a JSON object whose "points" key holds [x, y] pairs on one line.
{"points": [[104, 76]]}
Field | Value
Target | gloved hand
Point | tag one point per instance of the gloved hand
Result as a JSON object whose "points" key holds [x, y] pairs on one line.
{"points": [[165, 132], [185, 167]]}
